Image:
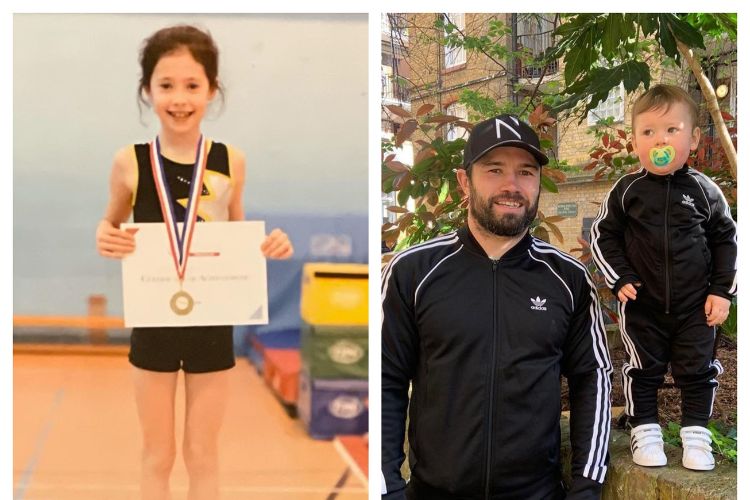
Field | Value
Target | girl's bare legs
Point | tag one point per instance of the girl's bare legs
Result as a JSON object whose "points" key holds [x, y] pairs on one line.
{"points": [[155, 396], [206, 397]]}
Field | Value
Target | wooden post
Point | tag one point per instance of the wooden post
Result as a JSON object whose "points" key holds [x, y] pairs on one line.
{"points": [[97, 308]]}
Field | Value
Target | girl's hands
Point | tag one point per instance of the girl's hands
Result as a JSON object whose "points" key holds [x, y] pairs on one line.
{"points": [[277, 245], [113, 242]]}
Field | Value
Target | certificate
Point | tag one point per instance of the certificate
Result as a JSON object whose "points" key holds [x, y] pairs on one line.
{"points": [[224, 279]]}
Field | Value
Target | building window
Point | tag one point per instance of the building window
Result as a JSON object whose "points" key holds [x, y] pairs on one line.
{"points": [[387, 200], [453, 130], [394, 26], [455, 56], [613, 105], [586, 228], [386, 85], [391, 89], [534, 34]]}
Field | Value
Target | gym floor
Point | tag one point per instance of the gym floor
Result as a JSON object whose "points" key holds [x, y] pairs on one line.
{"points": [[76, 436]]}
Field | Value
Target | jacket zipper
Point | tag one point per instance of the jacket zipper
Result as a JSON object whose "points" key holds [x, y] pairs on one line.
{"points": [[493, 358], [667, 263]]}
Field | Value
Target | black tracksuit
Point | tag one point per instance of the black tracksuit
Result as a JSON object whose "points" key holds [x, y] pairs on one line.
{"points": [[674, 234], [483, 343]]}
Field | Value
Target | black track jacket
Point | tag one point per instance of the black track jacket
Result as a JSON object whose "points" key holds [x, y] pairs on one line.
{"points": [[673, 233], [484, 343]]}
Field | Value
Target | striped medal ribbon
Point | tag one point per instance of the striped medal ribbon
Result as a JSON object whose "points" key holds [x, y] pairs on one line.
{"points": [[181, 302]]}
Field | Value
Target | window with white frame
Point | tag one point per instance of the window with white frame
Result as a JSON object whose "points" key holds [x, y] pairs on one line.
{"points": [[455, 55], [454, 131], [613, 105]]}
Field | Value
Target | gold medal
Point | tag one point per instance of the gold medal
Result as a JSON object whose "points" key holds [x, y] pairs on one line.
{"points": [[181, 303]]}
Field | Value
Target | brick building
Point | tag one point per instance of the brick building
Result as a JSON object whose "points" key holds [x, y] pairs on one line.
{"points": [[578, 201], [394, 44], [438, 74]]}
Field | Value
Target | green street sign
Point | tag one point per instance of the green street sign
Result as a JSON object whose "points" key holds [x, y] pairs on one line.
{"points": [[567, 209]]}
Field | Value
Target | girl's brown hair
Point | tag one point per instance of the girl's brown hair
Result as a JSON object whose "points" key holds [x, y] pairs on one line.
{"points": [[199, 43]]}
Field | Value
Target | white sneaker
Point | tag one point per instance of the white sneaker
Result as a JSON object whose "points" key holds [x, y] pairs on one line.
{"points": [[647, 445], [696, 448]]}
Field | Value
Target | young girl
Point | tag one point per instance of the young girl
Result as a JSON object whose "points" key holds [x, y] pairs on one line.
{"points": [[179, 79]]}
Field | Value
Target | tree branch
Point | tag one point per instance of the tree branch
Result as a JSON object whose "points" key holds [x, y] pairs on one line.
{"points": [[482, 50], [712, 104]]}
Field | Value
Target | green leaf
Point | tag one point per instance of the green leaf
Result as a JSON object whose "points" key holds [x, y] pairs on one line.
{"points": [[548, 184], [582, 57], [419, 189], [574, 25], [388, 185], [597, 83], [612, 34], [729, 24], [666, 39], [648, 22], [423, 166], [403, 195], [443, 192], [633, 73], [684, 32], [672, 434], [556, 51]]}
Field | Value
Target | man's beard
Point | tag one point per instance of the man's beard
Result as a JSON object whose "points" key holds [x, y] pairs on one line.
{"points": [[506, 224]]}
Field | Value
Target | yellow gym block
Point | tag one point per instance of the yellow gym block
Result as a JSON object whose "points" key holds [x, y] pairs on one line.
{"points": [[334, 294]]}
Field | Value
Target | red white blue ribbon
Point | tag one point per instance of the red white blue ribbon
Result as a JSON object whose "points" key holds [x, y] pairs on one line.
{"points": [[179, 241]]}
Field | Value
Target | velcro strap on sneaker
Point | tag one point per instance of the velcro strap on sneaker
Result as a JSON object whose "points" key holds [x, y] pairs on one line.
{"points": [[696, 438], [646, 435], [648, 439]]}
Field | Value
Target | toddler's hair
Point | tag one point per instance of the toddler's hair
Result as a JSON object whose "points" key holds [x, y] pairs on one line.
{"points": [[664, 95]]}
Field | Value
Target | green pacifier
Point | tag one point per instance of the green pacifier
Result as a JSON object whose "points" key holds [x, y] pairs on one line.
{"points": [[661, 157]]}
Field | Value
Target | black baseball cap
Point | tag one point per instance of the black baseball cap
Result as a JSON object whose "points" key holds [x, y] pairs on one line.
{"points": [[502, 130]]}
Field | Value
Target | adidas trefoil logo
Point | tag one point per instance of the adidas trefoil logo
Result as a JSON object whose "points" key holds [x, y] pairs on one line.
{"points": [[687, 200], [538, 304]]}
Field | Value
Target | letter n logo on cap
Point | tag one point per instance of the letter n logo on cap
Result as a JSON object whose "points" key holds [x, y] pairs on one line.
{"points": [[499, 123]]}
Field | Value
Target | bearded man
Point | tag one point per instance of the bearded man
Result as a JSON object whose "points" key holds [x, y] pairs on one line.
{"points": [[482, 322]]}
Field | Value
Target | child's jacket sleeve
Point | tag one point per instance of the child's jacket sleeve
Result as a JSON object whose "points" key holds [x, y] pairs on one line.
{"points": [[608, 243], [721, 233]]}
